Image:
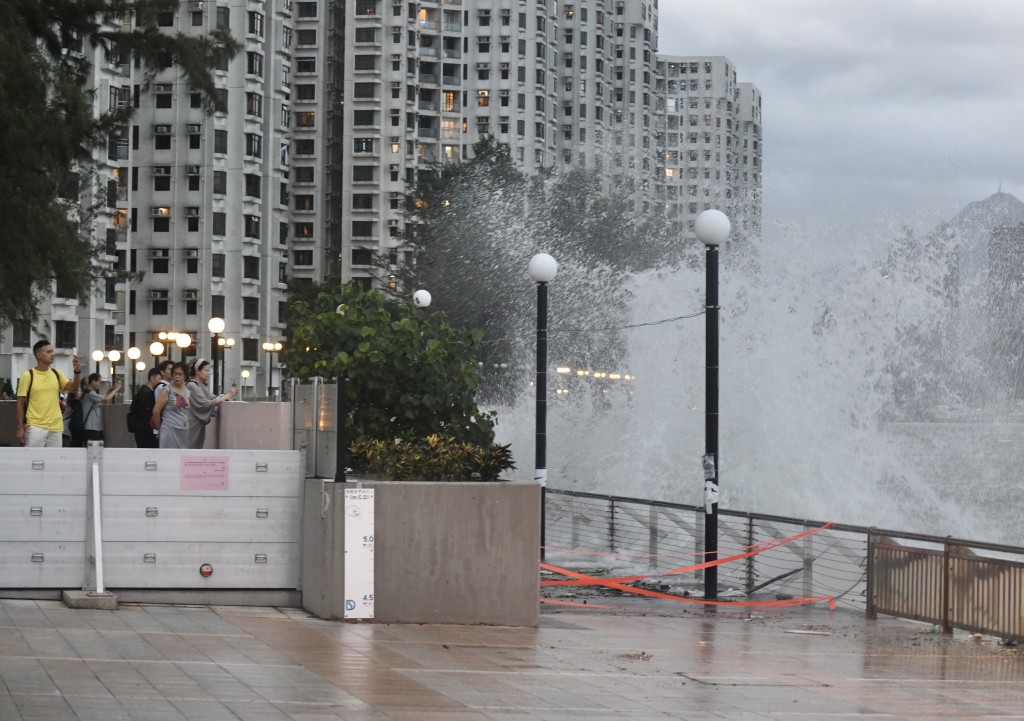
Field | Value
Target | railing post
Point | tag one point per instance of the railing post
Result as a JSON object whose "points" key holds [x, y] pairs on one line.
{"points": [[808, 554], [946, 561], [869, 571], [698, 543], [573, 524], [652, 535], [611, 525], [750, 559]]}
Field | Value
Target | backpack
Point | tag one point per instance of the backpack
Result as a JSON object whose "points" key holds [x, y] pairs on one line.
{"points": [[140, 410], [77, 422]]}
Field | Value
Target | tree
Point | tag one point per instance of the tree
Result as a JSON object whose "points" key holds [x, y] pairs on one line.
{"points": [[410, 374], [51, 127]]}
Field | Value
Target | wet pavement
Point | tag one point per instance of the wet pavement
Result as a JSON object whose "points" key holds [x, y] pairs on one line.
{"points": [[174, 663]]}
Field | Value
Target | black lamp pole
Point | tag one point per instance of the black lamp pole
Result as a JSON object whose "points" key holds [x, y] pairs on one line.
{"points": [[711, 426], [216, 376], [542, 269], [712, 229]]}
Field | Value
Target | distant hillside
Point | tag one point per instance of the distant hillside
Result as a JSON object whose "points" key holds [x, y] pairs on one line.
{"points": [[974, 225]]}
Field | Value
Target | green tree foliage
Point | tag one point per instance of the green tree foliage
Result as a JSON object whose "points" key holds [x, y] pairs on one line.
{"points": [[51, 124], [474, 228], [410, 374]]}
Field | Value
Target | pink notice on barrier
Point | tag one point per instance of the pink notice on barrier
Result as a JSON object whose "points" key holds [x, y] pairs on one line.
{"points": [[204, 473]]}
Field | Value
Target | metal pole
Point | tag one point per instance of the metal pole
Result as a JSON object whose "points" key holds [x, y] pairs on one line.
{"points": [[270, 375], [711, 426], [540, 473], [341, 450], [216, 377]]}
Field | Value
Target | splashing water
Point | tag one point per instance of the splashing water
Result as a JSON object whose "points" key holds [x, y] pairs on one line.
{"points": [[808, 343]]}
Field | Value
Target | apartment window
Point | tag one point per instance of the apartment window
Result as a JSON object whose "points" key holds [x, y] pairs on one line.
{"points": [[303, 257], [307, 65], [304, 174], [192, 224], [305, 91], [251, 267], [161, 262], [219, 224], [362, 201], [366, 35], [282, 233], [220, 182], [159, 307], [162, 100], [254, 145], [161, 178], [365, 90], [21, 334], [362, 228], [366, 62], [256, 24], [65, 333], [220, 141], [254, 104], [217, 265], [254, 64], [362, 173], [305, 38], [250, 308], [253, 185], [305, 119], [250, 349], [367, 117], [162, 225], [305, 146], [252, 226], [306, 9], [304, 230], [483, 98], [304, 202]]}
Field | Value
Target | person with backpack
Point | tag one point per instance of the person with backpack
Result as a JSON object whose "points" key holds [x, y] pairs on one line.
{"points": [[141, 411], [40, 423], [202, 403], [91, 412]]}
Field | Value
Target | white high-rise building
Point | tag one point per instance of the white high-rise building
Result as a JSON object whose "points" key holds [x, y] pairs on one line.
{"points": [[333, 110], [708, 143]]}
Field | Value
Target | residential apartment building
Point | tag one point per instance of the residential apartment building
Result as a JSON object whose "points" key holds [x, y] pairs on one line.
{"points": [[335, 107], [708, 143]]}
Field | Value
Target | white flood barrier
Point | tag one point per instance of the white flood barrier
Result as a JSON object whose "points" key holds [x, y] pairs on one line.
{"points": [[164, 520]]}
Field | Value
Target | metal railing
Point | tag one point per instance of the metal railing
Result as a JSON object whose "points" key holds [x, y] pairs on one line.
{"points": [[937, 580]]}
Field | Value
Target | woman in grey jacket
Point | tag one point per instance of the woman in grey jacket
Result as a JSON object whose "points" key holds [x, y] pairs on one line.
{"points": [[202, 402]]}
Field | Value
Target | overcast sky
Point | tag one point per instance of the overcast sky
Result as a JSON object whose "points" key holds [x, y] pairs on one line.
{"points": [[877, 113]]}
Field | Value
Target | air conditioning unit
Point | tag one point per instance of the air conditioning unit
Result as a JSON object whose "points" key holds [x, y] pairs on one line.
{"points": [[504, 66], [194, 129], [191, 252], [162, 129], [505, 12], [160, 212], [191, 170], [161, 170], [190, 295], [158, 295], [393, 222], [192, 212], [161, 88], [158, 253], [198, 5]]}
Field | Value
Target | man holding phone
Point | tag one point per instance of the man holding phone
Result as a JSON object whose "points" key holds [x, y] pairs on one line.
{"points": [[40, 423]]}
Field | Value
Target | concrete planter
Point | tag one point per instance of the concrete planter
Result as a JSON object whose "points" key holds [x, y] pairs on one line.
{"points": [[460, 553]]}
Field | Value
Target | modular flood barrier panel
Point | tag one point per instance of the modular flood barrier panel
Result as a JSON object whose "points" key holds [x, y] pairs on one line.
{"points": [[245, 527]]}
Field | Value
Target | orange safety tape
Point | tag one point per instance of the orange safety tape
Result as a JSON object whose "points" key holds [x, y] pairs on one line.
{"points": [[768, 546], [581, 579]]}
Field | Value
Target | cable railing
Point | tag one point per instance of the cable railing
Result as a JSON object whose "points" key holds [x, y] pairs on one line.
{"points": [[953, 583]]}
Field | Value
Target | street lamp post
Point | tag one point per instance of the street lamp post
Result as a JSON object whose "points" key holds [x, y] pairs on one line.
{"points": [[115, 358], [156, 349], [542, 269], [216, 326], [271, 347], [245, 381], [97, 355], [133, 357], [712, 229], [224, 344], [183, 341]]}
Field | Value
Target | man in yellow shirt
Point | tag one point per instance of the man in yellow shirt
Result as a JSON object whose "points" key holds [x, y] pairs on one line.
{"points": [[39, 418]]}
